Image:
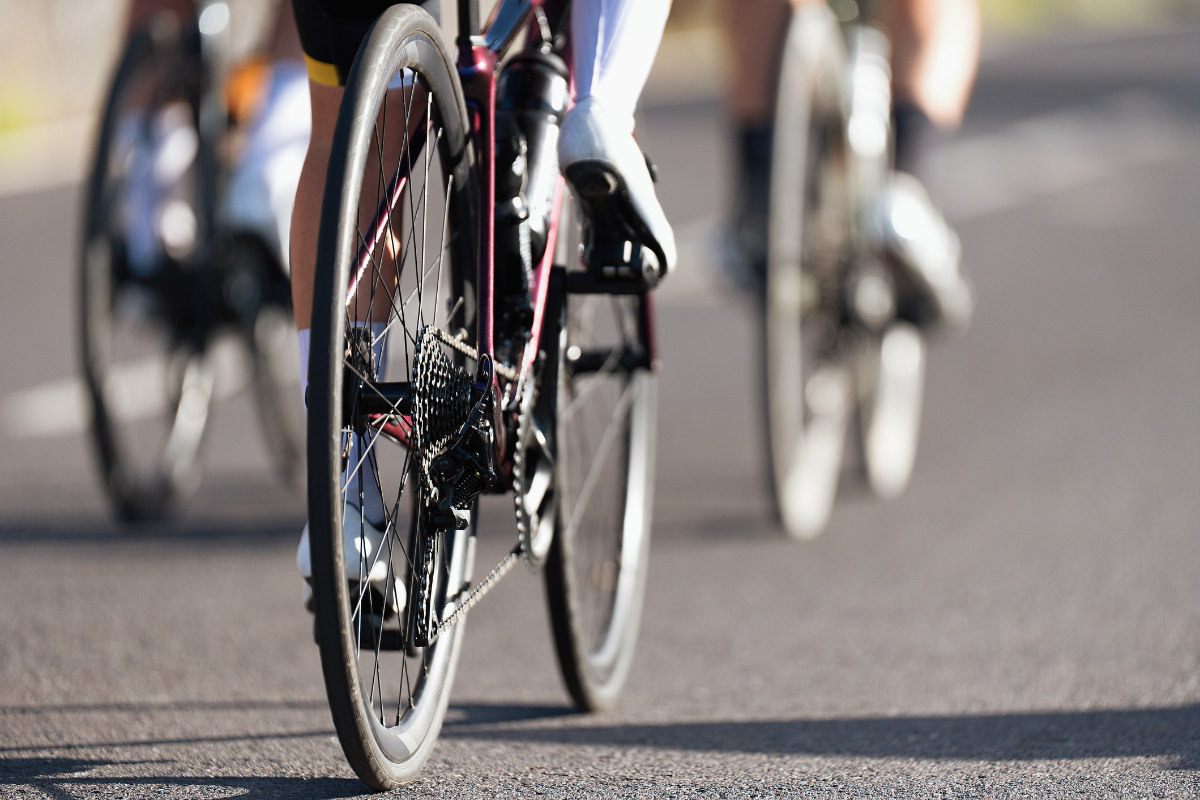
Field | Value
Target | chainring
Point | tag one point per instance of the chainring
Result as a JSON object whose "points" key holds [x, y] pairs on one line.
{"points": [[534, 498]]}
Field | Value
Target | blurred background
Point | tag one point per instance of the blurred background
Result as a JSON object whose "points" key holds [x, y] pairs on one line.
{"points": [[56, 56], [1025, 620]]}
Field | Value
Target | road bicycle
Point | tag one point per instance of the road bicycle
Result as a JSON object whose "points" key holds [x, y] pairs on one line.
{"points": [[834, 346], [166, 284], [467, 338]]}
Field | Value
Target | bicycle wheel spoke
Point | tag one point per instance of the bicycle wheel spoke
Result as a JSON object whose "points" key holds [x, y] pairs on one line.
{"points": [[614, 428]]}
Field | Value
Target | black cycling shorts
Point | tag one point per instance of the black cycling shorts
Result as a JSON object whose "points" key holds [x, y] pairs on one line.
{"points": [[331, 31]]}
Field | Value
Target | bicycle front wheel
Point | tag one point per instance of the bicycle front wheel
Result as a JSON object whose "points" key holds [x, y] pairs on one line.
{"points": [[891, 380], [396, 258], [605, 434], [807, 381], [144, 332], [253, 274]]}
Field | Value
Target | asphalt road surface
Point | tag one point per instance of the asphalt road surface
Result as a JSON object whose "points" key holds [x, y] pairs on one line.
{"points": [[1025, 621]]}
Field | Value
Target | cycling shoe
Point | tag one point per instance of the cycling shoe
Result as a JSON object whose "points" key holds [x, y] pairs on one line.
{"points": [[934, 292], [362, 542], [626, 232]]}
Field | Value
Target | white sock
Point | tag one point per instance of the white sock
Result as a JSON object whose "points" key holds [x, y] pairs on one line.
{"points": [[372, 500], [615, 43]]}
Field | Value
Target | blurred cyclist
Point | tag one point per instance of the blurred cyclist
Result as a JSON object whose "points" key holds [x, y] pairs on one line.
{"points": [[613, 47], [268, 94], [935, 55]]}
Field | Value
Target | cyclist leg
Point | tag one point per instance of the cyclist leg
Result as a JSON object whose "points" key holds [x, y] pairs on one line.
{"points": [[166, 145], [330, 36], [935, 55], [754, 37], [140, 11], [330, 33], [614, 44]]}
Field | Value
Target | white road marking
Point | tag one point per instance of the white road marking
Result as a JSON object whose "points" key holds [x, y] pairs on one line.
{"points": [[49, 156], [987, 174], [61, 408], [983, 175], [1058, 152]]}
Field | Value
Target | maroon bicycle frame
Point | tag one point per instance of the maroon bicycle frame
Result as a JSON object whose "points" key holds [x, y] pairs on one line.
{"points": [[478, 55]]}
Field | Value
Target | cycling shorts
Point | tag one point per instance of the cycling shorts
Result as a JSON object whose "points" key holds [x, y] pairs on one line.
{"points": [[331, 32]]}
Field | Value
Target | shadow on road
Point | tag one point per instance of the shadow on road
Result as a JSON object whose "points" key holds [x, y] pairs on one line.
{"points": [[41, 710], [68, 777], [72, 530], [1171, 732], [155, 743], [62, 778], [467, 714]]}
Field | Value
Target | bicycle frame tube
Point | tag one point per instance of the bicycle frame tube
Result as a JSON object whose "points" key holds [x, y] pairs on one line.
{"points": [[478, 57], [477, 71], [381, 222]]}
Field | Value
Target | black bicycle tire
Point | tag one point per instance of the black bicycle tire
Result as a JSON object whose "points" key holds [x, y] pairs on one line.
{"points": [[403, 35], [134, 498], [809, 85], [595, 675], [890, 402]]}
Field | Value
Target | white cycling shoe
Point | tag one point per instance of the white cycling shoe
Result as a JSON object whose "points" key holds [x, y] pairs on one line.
{"points": [[599, 157], [362, 542], [909, 227]]}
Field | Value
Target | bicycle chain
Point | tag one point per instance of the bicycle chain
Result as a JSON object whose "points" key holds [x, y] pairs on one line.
{"points": [[478, 591], [524, 516], [457, 343], [436, 376]]}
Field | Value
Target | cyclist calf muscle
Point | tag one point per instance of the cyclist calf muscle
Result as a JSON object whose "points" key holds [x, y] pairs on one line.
{"points": [[935, 53]]}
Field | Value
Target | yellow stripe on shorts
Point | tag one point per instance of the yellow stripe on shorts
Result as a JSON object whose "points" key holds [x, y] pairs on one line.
{"points": [[322, 73]]}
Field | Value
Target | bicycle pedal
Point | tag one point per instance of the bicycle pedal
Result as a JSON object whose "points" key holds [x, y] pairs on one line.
{"points": [[622, 262]]}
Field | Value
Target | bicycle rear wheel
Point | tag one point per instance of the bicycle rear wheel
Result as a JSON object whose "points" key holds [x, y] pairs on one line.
{"points": [[397, 233], [808, 385], [144, 332], [605, 432]]}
